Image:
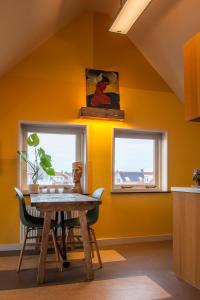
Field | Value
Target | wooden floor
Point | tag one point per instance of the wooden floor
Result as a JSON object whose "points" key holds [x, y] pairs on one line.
{"points": [[135, 272]]}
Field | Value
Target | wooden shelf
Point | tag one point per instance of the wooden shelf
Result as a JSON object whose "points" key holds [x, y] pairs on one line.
{"points": [[102, 113]]}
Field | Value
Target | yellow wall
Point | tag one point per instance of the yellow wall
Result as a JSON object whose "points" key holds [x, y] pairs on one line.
{"points": [[49, 85]]}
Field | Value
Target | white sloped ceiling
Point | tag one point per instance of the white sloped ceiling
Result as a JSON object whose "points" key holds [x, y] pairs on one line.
{"points": [[24, 24], [159, 33]]}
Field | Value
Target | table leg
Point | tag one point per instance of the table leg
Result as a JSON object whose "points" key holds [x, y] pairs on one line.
{"points": [[44, 244], [86, 244], [64, 249]]}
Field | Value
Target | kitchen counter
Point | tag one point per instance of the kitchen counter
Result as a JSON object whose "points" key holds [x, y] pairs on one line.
{"points": [[186, 234], [183, 189]]}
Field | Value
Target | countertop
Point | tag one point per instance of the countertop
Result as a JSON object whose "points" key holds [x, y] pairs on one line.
{"points": [[183, 189]]}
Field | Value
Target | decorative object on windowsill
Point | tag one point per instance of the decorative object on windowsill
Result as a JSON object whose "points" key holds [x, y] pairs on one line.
{"points": [[77, 171], [103, 100], [196, 176], [42, 162]]}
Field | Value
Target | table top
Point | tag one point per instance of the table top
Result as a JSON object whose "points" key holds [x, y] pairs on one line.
{"points": [[64, 198]]}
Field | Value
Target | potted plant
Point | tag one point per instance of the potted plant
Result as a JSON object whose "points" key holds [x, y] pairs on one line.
{"points": [[42, 161], [196, 176]]}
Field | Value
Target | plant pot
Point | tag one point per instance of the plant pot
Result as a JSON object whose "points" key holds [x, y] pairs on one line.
{"points": [[33, 188]]}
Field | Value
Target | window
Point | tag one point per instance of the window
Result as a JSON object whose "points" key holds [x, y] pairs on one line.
{"points": [[139, 161], [65, 144]]}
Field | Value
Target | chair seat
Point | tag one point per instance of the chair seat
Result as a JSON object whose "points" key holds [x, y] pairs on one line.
{"points": [[31, 223], [74, 222], [36, 222], [92, 217], [71, 223]]}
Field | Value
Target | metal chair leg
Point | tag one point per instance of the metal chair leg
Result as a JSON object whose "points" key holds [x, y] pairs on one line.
{"points": [[96, 245], [22, 250]]}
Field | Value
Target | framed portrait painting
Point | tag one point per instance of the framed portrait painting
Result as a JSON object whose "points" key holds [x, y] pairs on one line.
{"points": [[102, 89]]}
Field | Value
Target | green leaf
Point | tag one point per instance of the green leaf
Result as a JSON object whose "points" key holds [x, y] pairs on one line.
{"points": [[33, 140], [48, 157], [41, 152], [45, 163], [42, 160], [50, 172]]}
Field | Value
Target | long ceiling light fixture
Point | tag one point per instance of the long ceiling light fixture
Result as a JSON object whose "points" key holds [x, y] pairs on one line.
{"points": [[129, 12]]}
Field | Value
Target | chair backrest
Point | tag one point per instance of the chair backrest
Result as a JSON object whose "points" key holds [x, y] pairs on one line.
{"points": [[93, 214], [24, 216]]}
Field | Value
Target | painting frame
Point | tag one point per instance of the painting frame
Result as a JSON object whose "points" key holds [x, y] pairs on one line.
{"points": [[102, 89]]}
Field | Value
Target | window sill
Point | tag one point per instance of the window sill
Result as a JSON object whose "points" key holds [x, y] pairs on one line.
{"points": [[133, 191], [27, 193]]}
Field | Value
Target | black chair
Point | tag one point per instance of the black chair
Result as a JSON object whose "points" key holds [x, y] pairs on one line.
{"points": [[92, 217], [33, 223]]}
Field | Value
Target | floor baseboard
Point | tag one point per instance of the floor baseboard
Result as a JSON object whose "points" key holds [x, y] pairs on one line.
{"points": [[10, 247], [108, 241], [134, 239]]}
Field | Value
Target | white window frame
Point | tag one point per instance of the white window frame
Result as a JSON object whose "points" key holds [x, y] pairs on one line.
{"points": [[60, 128], [161, 163]]}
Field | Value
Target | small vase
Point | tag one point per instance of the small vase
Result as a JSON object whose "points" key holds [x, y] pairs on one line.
{"points": [[33, 188]]}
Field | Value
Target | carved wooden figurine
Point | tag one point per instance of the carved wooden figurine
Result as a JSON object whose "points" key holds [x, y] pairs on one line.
{"points": [[76, 175]]}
